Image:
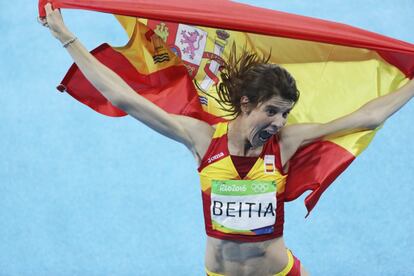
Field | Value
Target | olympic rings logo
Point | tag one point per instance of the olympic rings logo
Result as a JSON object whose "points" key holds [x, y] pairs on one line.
{"points": [[260, 187]]}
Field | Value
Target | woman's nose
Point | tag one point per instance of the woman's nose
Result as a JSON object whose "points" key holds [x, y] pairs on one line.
{"points": [[279, 121]]}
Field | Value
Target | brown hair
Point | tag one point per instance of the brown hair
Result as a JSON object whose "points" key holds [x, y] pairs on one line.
{"points": [[252, 76]]}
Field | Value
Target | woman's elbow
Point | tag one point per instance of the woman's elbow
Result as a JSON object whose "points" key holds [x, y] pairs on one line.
{"points": [[373, 121]]}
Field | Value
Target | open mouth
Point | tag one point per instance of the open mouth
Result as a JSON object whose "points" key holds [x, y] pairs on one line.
{"points": [[264, 135]]}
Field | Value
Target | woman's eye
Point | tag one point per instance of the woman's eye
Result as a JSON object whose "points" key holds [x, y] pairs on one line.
{"points": [[271, 112]]}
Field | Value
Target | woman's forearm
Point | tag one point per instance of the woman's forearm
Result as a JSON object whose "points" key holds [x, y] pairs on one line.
{"points": [[380, 109], [108, 83]]}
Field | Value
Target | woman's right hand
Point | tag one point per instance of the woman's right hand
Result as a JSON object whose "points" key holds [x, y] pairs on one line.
{"points": [[54, 22]]}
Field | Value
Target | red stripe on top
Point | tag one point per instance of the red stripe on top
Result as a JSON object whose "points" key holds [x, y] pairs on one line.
{"points": [[216, 147], [275, 148], [243, 164]]}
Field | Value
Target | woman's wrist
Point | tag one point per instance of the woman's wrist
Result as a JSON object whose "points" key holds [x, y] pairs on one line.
{"points": [[65, 36], [68, 42]]}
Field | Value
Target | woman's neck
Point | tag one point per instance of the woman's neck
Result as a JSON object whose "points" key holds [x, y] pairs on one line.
{"points": [[238, 142]]}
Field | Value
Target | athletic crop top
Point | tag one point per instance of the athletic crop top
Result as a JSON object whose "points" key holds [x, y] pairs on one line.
{"points": [[248, 209]]}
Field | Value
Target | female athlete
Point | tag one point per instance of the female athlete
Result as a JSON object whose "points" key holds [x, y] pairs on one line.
{"points": [[243, 163]]}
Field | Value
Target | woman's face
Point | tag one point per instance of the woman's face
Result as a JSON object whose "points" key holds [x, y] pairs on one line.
{"points": [[266, 119]]}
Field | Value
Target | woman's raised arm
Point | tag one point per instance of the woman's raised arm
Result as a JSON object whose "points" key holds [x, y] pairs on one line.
{"points": [[180, 128], [367, 117]]}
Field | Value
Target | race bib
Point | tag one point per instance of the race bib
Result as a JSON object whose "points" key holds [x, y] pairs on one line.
{"points": [[245, 207]]}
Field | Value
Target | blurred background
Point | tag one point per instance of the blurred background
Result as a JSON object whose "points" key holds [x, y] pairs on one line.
{"points": [[85, 194]]}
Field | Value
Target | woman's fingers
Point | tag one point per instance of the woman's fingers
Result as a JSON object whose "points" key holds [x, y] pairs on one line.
{"points": [[54, 19], [52, 14], [48, 8], [54, 22], [43, 20]]}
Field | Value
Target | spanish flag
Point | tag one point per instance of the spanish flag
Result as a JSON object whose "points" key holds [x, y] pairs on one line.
{"points": [[337, 67]]}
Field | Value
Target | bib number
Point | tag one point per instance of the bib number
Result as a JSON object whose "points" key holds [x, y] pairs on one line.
{"points": [[245, 207]]}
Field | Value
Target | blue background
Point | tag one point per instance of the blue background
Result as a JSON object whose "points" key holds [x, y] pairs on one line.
{"points": [[85, 194]]}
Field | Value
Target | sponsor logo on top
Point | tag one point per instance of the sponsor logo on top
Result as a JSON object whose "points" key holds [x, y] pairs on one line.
{"points": [[215, 157]]}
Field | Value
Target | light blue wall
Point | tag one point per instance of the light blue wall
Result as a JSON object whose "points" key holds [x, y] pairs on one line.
{"points": [[85, 194]]}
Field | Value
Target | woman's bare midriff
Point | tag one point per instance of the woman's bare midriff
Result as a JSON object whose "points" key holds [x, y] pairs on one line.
{"points": [[233, 258]]}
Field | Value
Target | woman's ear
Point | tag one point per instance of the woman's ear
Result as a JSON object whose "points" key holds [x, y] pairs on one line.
{"points": [[245, 104]]}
